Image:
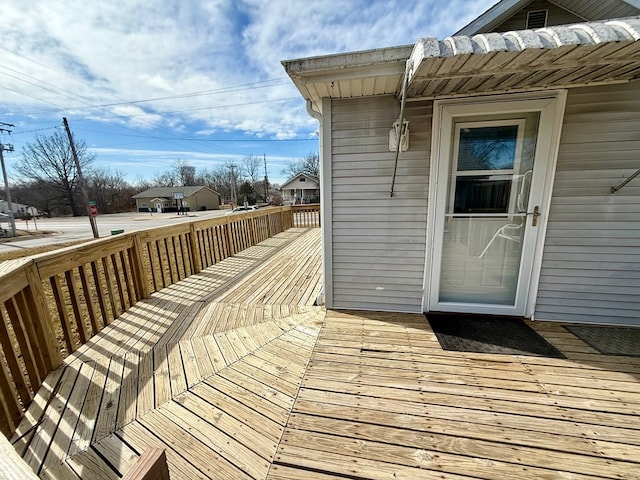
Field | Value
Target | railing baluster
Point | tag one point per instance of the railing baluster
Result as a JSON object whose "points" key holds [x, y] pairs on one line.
{"points": [[130, 288], [176, 259], [75, 306], [9, 402], [87, 293], [20, 381], [35, 347], [109, 286], [117, 273], [169, 262], [97, 281], [63, 315], [21, 335]]}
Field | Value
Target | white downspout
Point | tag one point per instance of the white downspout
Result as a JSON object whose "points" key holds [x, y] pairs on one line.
{"points": [[326, 296]]}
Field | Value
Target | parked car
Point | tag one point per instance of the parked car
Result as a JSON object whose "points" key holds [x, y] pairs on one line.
{"points": [[242, 208]]}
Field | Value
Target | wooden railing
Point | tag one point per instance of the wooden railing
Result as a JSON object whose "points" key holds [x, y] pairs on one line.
{"points": [[53, 303], [306, 215]]}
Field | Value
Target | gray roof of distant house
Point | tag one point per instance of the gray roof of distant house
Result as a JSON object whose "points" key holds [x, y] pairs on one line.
{"points": [[167, 192]]}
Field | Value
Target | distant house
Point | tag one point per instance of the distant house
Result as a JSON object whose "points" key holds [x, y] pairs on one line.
{"points": [[19, 209], [492, 172], [170, 199], [301, 188]]}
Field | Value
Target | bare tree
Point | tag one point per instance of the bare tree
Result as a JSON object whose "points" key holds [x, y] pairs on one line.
{"points": [[110, 191], [252, 169], [48, 159], [310, 165], [181, 174], [220, 179], [185, 173], [42, 195]]}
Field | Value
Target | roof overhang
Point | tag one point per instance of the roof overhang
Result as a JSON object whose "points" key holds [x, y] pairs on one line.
{"points": [[491, 19], [562, 56], [355, 74], [553, 57]]}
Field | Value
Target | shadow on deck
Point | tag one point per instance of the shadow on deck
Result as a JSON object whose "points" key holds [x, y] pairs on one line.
{"points": [[238, 375]]}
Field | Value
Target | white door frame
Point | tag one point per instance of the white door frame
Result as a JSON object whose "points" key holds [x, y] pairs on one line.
{"points": [[551, 107]]}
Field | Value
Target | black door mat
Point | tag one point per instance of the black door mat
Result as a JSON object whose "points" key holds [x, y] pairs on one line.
{"points": [[489, 334], [609, 340]]}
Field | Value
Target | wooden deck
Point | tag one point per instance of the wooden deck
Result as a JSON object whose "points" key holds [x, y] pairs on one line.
{"points": [[238, 375]]}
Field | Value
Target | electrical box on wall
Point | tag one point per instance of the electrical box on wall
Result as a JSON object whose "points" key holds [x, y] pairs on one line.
{"points": [[398, 132]]}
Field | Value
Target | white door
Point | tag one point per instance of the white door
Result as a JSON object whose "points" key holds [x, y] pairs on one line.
{"points": [[494, 168]]}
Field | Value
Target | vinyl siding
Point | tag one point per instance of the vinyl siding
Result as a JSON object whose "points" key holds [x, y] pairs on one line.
{"points": [[378, 242], [591, 262], [555, 16]]}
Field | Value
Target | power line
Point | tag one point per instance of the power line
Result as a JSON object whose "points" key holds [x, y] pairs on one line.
{"points": [[204, 108], [87, 106], [233, 88], [29, 79], [36, 130], [146, 114]]}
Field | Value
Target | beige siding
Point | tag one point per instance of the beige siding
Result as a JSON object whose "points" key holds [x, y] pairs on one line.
{"points": [[378, 241], [205, 198], [591, 262]]}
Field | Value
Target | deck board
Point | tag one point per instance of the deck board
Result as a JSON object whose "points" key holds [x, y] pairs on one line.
{"points": [[237, 375], [378, 387]]}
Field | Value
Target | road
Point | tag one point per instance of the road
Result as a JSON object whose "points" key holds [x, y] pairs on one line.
{"points": [[68, 229]]}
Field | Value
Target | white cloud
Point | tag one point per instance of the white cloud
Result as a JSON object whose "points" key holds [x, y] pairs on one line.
{"points": [[61, 57]]}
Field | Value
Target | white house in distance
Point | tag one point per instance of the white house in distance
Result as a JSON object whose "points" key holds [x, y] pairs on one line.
{"points": [[301, 188], [19, 209], [512, 188]]}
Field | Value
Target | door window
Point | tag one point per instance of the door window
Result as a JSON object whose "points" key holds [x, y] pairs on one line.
{"points": [[488, 195]]}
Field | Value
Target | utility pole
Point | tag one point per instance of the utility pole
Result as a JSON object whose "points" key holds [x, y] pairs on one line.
{"points": [[266, 180], [8, 148], [234, 200], [83, 186]]}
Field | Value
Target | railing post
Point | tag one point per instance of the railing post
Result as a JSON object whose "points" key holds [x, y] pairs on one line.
{"points": [[140, 275], [252, 229], [195, 249], [232, 249], [44, 326]]}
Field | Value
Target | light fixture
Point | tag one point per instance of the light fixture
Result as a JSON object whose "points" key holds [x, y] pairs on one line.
{"points": [[401, 133]]}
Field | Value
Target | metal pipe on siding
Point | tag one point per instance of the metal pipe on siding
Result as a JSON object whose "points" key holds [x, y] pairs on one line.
{"points": [[622, 184], [403, 101]]}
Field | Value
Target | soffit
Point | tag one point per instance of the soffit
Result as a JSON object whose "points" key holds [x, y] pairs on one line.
{"points": [[354, 74]]}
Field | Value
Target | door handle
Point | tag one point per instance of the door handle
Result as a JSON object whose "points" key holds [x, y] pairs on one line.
{"points": [[534, 216]]}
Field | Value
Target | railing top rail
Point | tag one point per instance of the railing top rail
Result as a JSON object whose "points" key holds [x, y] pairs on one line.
{"points": [[83, 253]]}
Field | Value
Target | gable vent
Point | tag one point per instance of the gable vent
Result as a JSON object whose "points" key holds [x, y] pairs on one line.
{"points": [[537, 19]]}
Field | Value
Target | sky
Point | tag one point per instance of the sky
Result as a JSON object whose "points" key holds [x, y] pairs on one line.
{"points": [[145, 83]]}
